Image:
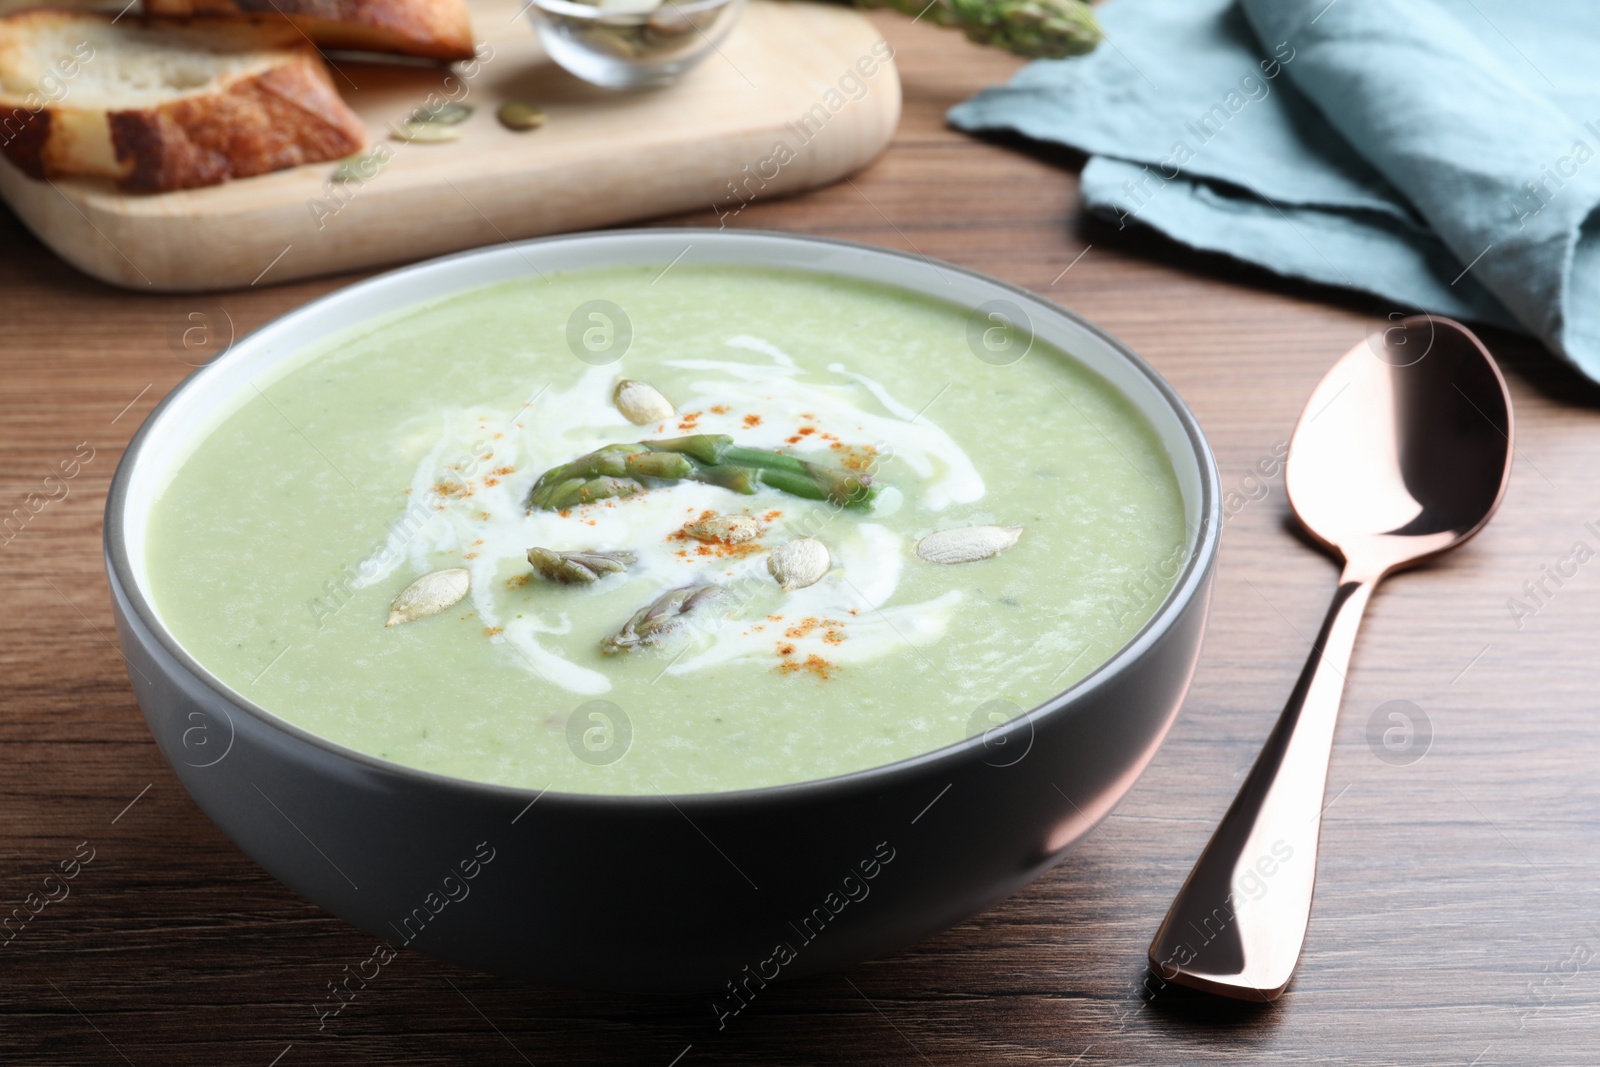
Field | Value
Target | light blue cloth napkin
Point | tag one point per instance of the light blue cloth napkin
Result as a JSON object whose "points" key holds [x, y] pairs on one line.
{"points": [[1442, 154]]}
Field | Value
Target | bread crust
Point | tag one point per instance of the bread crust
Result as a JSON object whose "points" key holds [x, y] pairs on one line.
{"points": [[282, 115], [432, 29], [23, 136]]}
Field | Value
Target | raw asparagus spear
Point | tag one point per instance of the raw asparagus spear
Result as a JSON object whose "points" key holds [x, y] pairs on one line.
{"points": [[1043, 29]]}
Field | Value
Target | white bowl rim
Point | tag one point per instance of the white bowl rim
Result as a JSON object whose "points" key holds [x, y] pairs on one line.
{"points": [[1189, 583]]}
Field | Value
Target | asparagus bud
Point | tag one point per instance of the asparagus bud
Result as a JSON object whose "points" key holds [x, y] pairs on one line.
{"points": [[577, 567], [658, 620]]}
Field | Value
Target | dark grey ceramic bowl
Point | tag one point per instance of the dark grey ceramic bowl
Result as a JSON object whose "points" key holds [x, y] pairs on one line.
{"points": [[714, 892]]}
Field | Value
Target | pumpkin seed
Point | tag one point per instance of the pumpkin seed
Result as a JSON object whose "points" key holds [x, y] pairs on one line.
{"points": [[799, 563], [612, 40], [669, 24], [518, 115], [729, 529], [425, 132], [362, 167], [968, 544], [641, 403], [429, 595]]}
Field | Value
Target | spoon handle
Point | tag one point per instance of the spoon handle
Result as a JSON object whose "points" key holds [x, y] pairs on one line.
{"points": [[1236, 926]]}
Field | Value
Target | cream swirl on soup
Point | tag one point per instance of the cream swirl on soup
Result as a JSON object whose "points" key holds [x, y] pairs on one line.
{"points": [[474, 476]]}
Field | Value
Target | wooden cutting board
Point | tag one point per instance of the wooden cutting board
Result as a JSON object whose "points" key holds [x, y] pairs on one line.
{"points": [[784, 104]]}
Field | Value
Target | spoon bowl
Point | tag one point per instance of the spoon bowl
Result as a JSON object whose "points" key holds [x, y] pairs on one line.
{"points": [[1404, 448], [1402, 452]]}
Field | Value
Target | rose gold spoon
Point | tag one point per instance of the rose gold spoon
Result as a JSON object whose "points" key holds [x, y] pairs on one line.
{"points": [[1403, 452]]}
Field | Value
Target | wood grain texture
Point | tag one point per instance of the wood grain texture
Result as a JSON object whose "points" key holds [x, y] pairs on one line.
{"points": [[600, 159], [1456, 920]]}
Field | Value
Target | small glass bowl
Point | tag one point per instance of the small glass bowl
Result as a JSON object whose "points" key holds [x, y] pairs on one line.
{"points": [[621, 48]]}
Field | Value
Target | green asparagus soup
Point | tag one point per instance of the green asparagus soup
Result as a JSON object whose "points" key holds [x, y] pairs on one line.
{"points": [[627, 531]]}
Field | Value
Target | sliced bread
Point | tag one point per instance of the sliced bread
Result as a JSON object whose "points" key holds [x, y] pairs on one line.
{"points": [[434, 29], [158, 106]]}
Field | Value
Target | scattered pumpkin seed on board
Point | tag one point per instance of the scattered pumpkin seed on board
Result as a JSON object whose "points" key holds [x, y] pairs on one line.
{"points": [[520, 115], [433, 125], [426, 132], [361, 167]]}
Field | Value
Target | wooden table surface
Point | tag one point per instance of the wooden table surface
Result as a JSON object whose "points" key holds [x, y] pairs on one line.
{"points": [[1457, 917]]}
